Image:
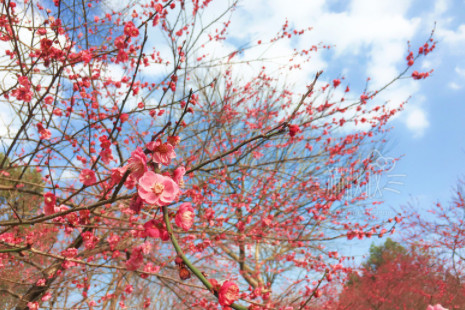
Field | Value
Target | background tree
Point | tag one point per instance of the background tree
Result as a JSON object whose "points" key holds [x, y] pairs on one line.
{"points": [[14, 205], [395, 277], [19, 203], [388, 251], [439, 230]]}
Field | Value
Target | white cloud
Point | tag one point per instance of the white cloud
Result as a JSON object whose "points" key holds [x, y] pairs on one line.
{"points": [[417, 121], [10, 122], [115, 72], [6, 127], [376, 31], [460, 71], [441, 6], [455, 86], [452, 37], [426, 64]]}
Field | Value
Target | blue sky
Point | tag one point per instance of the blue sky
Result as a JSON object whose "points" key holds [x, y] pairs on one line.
{"points": [[434, 159], [371, 41]]}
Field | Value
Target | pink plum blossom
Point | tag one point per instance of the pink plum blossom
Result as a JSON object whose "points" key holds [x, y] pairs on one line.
{"points": [[45, 134], [185, 216], [41, 282], [48, 100], [33, 305], [128, 289], [113, 241], [106, 156], [228, 294], [149, 268], [174, 140], [50, 207], [117, 174], [50, 199], [24, 81], [154, 228], [47, 296], [124, 117], [136, 260], [137, 163], [162, 152], [178, 176], [293, 130], [156, 189], [136, 204], [70, 253], [87, 177], [130, 182]]}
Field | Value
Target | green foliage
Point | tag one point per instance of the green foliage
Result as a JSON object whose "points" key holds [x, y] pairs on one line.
{"points": [[24, 203], [382, 253], [378, 256]]}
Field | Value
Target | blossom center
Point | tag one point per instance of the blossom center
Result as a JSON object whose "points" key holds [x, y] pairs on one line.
{"points": [[137, 165], [187, 216], [232, 293], [158, 188], [162, 148]]}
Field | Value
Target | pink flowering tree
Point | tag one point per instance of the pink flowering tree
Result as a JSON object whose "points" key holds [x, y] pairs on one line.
{"points": [[394, 277], [440, 229], [169, 177]]}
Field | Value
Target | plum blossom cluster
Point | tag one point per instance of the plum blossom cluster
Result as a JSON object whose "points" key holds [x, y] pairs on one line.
{"points": [[422, 50], [420, 75], [122, 43], [228, 292], [23, 92], [142, 172], [153, 188]]}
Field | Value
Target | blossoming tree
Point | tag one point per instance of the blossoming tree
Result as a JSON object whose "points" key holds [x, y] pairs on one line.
{"points": [[169, 178], [398, 277], [439, 229]]}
